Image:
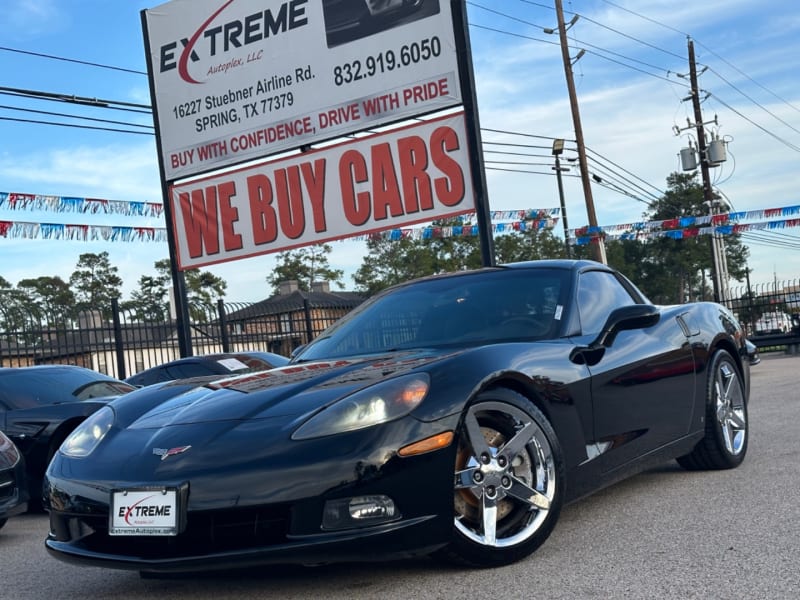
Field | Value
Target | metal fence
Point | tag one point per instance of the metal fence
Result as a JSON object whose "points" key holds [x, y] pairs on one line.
{"points": [[121, 343], [767, 308]]}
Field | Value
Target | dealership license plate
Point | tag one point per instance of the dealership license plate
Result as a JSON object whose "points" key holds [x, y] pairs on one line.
{"points": [[144, 512]]}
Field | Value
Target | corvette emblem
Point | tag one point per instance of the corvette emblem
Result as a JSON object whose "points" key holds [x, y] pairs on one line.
{"points": [[164, 453]]}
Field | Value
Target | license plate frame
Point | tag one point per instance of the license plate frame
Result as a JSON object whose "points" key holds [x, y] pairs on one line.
{"points": [[146, 511]]}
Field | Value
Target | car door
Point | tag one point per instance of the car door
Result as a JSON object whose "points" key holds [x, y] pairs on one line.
{"points": [[643, 390]]}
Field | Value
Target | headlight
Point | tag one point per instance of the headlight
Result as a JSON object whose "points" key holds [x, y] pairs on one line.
{"points": [[9, 455], [376, 404], [84, 439]]}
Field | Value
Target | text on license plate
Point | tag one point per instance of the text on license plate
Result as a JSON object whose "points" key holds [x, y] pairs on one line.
{"points": [[144, 512]]}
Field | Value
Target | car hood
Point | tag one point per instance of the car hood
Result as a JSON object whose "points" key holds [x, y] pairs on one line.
{"points": [[290, 391]]}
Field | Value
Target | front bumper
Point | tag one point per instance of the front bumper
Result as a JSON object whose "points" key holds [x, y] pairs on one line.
{"points": [[267, 512], [13, 491]]}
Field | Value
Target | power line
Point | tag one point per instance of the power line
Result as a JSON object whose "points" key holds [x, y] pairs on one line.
{"points": [[72, 99], [72, 60], [749, 120], [644, 17], [601, 157], [71, 116], [765, 109], [76, 126], [735, 68]]}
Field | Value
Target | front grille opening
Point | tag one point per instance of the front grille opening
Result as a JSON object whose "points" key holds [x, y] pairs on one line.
{"points": [[206, 532], [8, 485]]}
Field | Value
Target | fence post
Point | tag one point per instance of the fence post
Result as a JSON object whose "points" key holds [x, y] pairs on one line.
{"points": [[119, 345], [309, 329], [223, 324]]}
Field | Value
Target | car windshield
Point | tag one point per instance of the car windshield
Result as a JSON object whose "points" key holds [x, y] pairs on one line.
{"points": [[34, 386], [466, 309], [101, 389]]}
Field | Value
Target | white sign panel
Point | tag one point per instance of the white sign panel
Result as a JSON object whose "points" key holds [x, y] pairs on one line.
{"points": [[236, 80], [144, 512], [408, 175]]}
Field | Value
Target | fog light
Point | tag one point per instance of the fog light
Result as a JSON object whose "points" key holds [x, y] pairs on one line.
{"points": [[360, 511]]}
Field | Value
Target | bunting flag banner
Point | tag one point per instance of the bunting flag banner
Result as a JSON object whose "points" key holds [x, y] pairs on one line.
{"points": [[587, 234], [519, 220], [430, 232], [82, 233], [67, 204], [689, 222]]}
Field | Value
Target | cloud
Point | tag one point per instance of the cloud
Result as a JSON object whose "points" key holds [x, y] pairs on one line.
{"points": [[114, 172], [24, 19]]}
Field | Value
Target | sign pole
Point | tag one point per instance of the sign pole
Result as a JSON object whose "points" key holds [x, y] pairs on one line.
{"points": [[178, 281], [470, 100]]}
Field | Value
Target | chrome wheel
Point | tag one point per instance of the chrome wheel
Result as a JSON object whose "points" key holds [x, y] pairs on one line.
{"points": [[508, 480], [730, 408], [724, 444]]}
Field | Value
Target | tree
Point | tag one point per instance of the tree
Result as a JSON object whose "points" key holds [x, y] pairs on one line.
{"points": [[389, 262], [15, 307], [95, 282], [150, 300], [532, 244], [673, 271], [305, 265], [49, 299]]}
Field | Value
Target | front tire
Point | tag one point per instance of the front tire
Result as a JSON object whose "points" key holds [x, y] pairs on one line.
{"points": [[509, 481], [725, 443]]}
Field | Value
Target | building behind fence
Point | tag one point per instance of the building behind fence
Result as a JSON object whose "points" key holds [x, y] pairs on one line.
{"points": [[123, 345]]}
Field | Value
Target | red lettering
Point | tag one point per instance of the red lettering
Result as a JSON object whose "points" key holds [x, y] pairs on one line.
{"points": [[314, 177], [385, 189], [199, 213], [229, 215], [352, 171], [413, 156], [290, 202], [262, 214], [450, 189]]}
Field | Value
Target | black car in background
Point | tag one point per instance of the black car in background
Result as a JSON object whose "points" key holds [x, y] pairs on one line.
{"points": [[348, 20], [40, 406], [454, 414], [13, 489], [224, 363]]}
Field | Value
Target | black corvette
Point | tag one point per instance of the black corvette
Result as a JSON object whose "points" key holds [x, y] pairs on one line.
{"points": [[223, 363], [40, 406], [13, 491], [453, 415]]}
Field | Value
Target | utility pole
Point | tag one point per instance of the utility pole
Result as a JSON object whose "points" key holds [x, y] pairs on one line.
{"points": [[558, 148], [598, 247], [708, 193]]}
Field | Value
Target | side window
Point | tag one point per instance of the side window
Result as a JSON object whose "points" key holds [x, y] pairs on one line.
{"points": [[599, 293]]}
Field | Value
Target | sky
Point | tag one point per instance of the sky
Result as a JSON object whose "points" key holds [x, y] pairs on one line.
{"points": [[630, 85]]}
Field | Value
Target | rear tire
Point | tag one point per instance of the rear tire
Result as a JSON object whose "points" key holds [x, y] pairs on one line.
{"points": [[3, 522], [509, 481], [724, 445]]}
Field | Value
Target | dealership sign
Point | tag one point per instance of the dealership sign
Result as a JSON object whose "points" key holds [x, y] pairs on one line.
{"points": [[409, 175], [237, 80]]}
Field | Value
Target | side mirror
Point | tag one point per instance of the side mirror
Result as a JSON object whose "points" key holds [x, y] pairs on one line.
{"points": [[634, 316]]}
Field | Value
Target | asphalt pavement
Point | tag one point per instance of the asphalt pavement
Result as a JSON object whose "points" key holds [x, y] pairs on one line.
{"points": [[666, 533]]}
